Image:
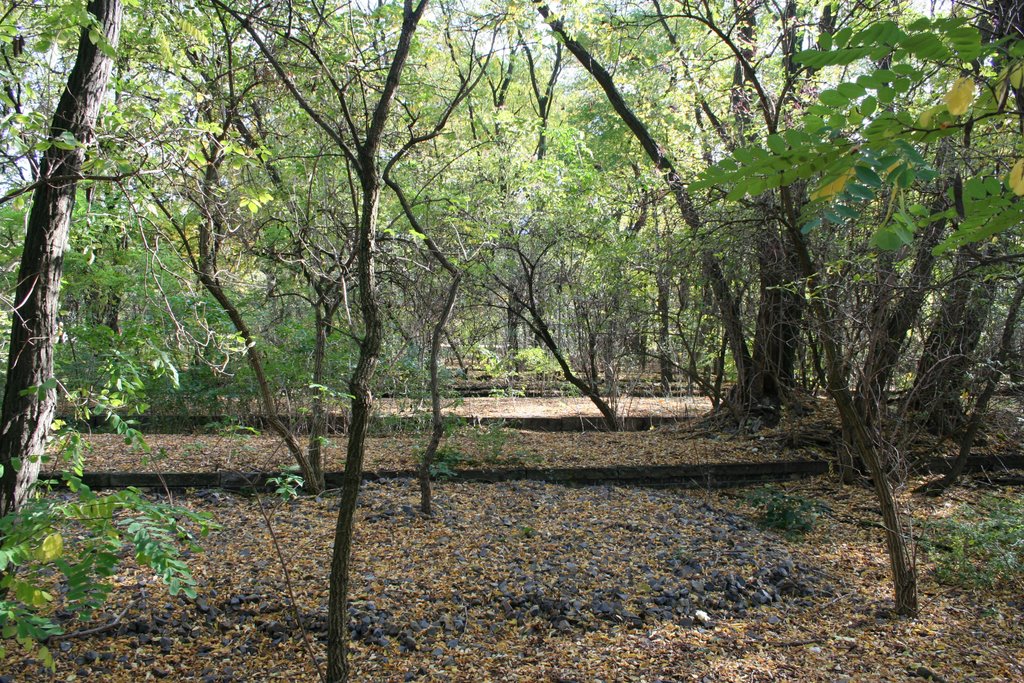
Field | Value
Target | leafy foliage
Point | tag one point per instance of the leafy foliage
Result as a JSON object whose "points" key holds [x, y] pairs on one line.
{"points": [[83, 538], [287, 484], [979, 545], [779, 510], [864, 139]]}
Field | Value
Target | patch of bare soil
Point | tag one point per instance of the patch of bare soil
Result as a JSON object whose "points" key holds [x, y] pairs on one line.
{"points": [[531, 582], [519, 407]]}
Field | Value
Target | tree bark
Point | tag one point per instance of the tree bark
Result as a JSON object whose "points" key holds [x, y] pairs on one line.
{"points": [[747, 401], [436, 418], [942, 371], [362, 405], [370, 180], [665, 363], [30, 393]]}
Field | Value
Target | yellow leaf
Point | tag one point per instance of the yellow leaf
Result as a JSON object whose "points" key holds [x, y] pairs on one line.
{"points": [[1016, 178], [51, 549], [960, 96], [928, 115], [834, 187]]}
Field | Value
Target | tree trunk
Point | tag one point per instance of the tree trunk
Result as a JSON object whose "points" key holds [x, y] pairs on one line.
{"points": [[862, 434], [746, 402], [311, 481], [362, 405], [369, 351], [664, 354], [589, 389], [319, 416], [437, 419], [30, 393]]}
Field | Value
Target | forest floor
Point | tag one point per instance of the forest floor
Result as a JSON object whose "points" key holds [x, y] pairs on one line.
{"points": [[521, 406], [525, 581], [813, 436]]}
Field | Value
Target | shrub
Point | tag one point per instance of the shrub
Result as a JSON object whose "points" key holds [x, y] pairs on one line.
{"points": [[793, 514], [979, 545], [446, 460]]}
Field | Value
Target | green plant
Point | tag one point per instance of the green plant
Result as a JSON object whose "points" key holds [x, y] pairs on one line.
{"points": [[84, 536], [979, 545], [793, 514], [446, 460], [490, 441], [286, 484], [83, 539]]}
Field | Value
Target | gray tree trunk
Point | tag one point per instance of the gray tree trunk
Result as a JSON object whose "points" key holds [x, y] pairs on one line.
{"points": [[30, 394]]}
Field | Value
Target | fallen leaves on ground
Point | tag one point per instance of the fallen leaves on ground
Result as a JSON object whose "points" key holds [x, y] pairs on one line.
{"points": [[489, 447], [533, 582]]}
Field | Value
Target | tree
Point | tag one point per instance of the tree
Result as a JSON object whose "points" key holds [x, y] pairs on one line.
{"points": [[30, 392]]}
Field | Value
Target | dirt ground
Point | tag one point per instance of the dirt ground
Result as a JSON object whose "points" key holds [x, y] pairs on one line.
{"points": [[525, 581], [517, 407]]}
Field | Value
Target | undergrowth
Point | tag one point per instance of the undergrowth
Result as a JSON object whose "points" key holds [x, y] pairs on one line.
{"points": [[794, 515], [980, 545]]}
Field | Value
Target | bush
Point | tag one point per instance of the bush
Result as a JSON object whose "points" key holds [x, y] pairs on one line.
{"points": [[979, 545], [446, 460], [81, 539], [793, 514]]}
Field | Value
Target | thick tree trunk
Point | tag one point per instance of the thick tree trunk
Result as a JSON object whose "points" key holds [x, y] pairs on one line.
{"points": [[778, 329], [30, 393]]}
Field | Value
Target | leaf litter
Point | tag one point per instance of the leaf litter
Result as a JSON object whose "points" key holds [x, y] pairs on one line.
{"points": [[526, 581]]}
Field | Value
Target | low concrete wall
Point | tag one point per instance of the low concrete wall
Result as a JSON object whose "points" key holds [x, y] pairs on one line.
{"points": [[687, 476]]}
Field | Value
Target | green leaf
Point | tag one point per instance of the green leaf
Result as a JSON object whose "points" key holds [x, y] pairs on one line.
{"points": [[867, 176], [868, 105], [833, 98], [886, 240], [851, 90]]}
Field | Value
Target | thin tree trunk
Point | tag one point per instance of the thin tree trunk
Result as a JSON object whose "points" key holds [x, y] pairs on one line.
{"points": [[437, 419], [30, 392], [319, 416], [362, 406], [942, 371], [664, 355], [747, 397], [898, 536], [311, 481], [437, 334], [369, 351]]}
